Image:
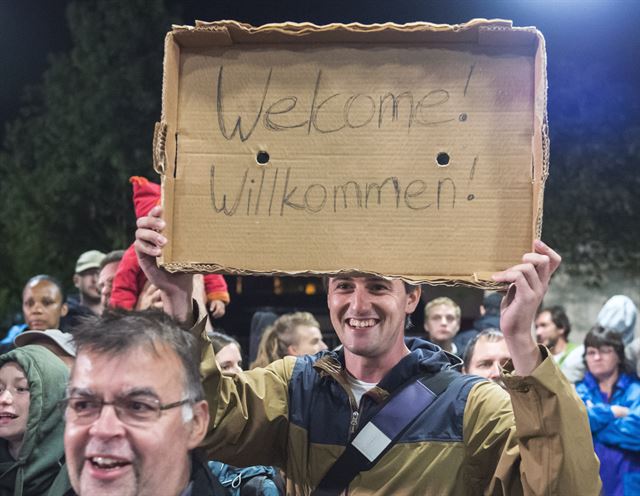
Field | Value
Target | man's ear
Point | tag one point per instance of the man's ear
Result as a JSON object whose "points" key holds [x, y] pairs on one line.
{"points": [[413, 298], [292, 350], [199, 424], [64, 310], [76, 280]]}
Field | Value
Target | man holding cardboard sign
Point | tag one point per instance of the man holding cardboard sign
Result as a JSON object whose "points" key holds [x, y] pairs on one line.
{"points": [[390, 415]]}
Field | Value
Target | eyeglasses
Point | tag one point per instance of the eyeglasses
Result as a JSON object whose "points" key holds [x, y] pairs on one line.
{"points": [[604, 350], [130, 410]]}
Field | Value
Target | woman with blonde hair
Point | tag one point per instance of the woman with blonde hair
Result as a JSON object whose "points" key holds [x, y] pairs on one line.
{"points": [[294, 334]]}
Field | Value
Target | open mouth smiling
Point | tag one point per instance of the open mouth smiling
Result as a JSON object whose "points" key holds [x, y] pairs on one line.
{"points": [[361, 323], [107, 463]]}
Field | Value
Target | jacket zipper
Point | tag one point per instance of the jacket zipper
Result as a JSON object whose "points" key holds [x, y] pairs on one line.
{"points": [[353, 425], [355, 419]]}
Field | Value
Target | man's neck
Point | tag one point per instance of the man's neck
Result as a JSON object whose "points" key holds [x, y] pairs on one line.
{"points": [[373, 369], [187, 489], [607, 383], [445, 345], [93, 305], [559, 347]]}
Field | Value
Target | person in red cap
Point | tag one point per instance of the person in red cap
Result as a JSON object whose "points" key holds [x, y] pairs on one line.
{"points": [[130, 282]]}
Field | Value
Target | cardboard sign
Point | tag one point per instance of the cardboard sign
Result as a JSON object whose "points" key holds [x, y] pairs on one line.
{"points": [[416, 151]]}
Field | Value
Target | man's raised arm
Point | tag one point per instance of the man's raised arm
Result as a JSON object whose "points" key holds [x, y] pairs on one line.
{"points": [[176, 287], [529, 282]]}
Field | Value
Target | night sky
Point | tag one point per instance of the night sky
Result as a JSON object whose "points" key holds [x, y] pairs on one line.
{"points": [[578, 31]]}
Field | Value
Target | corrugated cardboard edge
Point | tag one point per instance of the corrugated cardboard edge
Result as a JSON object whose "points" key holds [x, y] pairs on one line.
{"points": [[292, 32], [232, 32], [164, 148], [541, 135], [478, 280]]}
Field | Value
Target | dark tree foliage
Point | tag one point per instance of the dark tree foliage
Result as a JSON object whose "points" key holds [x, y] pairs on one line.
{"points": [[592, 200], [81, 133]]}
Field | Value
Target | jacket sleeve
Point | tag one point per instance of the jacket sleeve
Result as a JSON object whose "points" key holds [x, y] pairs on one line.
{"points": [[622, 431], [533, 440], [216, 288], [249, 413], [125, 290], [600, 416]]}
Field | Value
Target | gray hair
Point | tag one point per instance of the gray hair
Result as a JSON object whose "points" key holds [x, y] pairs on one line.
{"points": [[491, 335], [118, 331]]}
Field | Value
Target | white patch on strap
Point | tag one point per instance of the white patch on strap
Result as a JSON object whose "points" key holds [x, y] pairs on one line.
{"points": [[371, 441]]}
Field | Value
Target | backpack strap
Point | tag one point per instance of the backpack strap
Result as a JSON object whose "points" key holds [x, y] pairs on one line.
{"points": [[378, 435]]}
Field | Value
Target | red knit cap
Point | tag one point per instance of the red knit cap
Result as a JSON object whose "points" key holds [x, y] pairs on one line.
{"points": [[146, 195]]}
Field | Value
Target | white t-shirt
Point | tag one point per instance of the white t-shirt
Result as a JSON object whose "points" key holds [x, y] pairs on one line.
{"points": [[358, 387]]}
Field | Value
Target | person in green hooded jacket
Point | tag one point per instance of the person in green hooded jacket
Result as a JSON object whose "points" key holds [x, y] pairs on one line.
{"points": [[32, 382]]}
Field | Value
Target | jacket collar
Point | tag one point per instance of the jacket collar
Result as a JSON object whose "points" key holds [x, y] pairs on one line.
{"points": [[425, 358], [621, 384]]}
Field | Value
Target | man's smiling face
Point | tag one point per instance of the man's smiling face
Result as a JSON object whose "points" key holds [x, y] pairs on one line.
{"points": [[110, 456], [368, 313]]}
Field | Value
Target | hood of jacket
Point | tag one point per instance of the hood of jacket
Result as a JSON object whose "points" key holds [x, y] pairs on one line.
{"points": [[425, 358], [619, 314], [146, 195], [42, 452]]}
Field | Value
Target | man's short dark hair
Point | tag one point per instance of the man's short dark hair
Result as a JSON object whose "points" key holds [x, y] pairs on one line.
{"points": [[117, 331], [558, 317], [408, 287], [47, 278], [491, 303], [492, 335], [111, 257]]}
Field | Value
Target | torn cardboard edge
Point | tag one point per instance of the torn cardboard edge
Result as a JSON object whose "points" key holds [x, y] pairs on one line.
{"points": [[228, 33], [478, 280]]}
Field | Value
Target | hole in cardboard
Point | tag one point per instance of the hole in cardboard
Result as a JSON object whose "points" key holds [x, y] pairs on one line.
{"points": [[443, 159], [262, 157]]}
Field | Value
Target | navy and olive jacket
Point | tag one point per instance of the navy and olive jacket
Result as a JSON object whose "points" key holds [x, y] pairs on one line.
{"points": [[299, 413]]}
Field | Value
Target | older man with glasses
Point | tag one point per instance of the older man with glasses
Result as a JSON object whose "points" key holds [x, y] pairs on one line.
{"points": [[135, 409]]}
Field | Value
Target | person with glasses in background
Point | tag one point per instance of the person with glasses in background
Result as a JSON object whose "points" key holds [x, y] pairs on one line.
{"points": [[135, 410], [611, 393]]}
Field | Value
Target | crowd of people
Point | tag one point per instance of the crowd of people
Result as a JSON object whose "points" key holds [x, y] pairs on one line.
{"points": [[128, 389], [604, 369]]}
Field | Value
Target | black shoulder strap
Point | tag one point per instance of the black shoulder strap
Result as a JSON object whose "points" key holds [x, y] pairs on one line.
{"points": [[378, 435]]}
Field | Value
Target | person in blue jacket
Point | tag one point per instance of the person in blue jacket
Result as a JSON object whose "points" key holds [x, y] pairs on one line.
{"points": [[612, 396]]}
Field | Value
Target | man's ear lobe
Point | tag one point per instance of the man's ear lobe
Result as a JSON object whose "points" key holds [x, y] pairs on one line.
{"points": [[414, 299], [76, 280], [199, 424], [64, 310]]}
